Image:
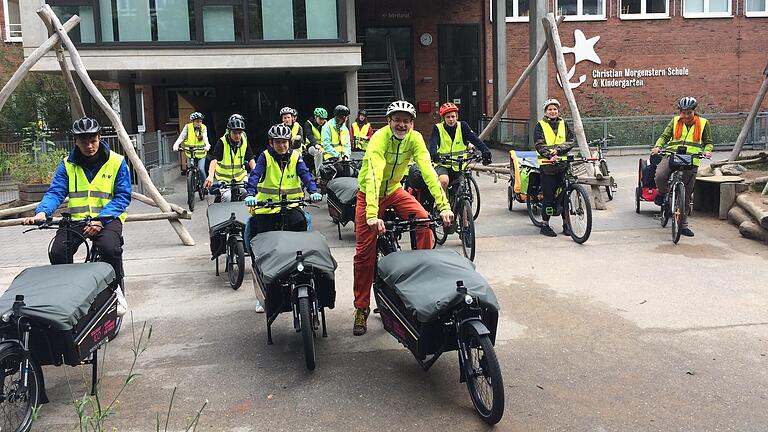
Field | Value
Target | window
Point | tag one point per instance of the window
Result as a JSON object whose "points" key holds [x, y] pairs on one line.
{"points": [[644, 9], [12, 24], [581, 10], [85, 32], [707, 8], [517, 10], [755, 8], [140, 119]]}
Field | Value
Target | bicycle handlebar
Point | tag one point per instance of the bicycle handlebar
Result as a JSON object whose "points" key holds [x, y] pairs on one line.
{"points": [[410, 224], [225, 185], [470, 157], [301, 202], [574, 160], [699, 155]]}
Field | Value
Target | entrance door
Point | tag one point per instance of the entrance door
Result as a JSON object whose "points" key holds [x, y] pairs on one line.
{"points": [[460, 69]]}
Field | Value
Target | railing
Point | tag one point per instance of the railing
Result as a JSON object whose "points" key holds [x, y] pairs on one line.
{"points": [[642, 131], [394, 68]]}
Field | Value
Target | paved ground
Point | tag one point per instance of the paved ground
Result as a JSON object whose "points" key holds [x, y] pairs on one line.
{"points": [[625, 333]]}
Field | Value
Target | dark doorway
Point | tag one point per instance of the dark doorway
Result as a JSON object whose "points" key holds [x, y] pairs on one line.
{"points": [[375, 50], [459, 58]]}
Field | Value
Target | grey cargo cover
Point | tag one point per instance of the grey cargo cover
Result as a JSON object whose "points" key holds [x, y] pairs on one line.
{"points": [[219, 214], [59, 295], [274, 253], [425, 280], [345, 188]]}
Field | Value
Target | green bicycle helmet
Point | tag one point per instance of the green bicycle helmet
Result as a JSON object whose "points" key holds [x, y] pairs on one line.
{"points": [[321, 112]]}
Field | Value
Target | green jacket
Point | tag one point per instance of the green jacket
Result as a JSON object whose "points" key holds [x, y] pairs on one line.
{"points": [[386, 162]]}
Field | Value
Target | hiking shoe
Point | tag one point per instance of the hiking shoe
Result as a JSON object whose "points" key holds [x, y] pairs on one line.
{"points": [[659, 200], [686, 232], [259, 308], [548, 231], [566, 230], [361, 321]]}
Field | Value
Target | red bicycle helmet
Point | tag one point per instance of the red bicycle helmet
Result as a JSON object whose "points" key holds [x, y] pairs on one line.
{"points": [[448, 107]]}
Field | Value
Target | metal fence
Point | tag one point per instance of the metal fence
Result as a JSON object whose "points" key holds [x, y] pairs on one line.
{"points": [[155, 149], [643, 130]]}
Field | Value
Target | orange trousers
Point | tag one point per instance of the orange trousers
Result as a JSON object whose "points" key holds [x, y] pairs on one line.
{"points": [[404, 205]]}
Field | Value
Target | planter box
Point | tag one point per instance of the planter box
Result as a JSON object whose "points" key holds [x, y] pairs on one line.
{"points": [[32, 192]]}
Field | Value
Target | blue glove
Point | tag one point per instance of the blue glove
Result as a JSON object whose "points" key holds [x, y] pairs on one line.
{"points": [[315, 197], [250, 201]]}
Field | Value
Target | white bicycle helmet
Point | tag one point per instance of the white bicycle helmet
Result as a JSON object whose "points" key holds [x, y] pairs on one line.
{"points": [[287, 110], [85, 126], [551, 101], [687, 102], [280, 131], [401, 106]]}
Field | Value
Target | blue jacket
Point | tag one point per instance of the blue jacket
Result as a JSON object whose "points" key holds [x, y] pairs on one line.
{"points": [[257, 175], [59, 188], [466, 132]]}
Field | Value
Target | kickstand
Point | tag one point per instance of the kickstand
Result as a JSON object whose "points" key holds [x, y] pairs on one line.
{"points": [[94, 373], [322, 316]]}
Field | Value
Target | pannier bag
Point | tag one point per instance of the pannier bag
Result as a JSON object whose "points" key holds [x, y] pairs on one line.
{"points": [[219, 218]]}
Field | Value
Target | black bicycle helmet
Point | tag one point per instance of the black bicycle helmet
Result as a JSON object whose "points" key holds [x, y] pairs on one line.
{"points": [[280, 131], [236, 123], [85, 126], [340, 111], [687, 102], [363, 112], [195, 116]]}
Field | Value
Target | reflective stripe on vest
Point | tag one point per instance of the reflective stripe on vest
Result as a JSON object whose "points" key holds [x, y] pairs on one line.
{"points": [[451, 148], [552, 140], [230, 167], [195, 141], [361, 135], [278, 182], [686, 139], [89, 198], [338, 141]]}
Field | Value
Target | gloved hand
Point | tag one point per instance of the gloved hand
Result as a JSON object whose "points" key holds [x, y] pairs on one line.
{"points": [[315, 197], [207, 147], [250, 201], [175, 147], [435, 157], [486, 158]]}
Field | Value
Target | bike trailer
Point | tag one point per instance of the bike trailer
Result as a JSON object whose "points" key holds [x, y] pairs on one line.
{"points": [[521, 165], [222, 216], [646, 178], [73, 308], [273, 258], [417, 291], [342, 197]]}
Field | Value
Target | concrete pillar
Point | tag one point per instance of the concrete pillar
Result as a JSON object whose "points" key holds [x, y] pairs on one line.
{"points": [[538, 81], [499, 13], [352, 96], [128, 107], [351, 23]]}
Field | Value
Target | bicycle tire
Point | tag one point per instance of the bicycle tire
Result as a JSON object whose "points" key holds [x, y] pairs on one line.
{"points": [[678, 211], [637, 200], [10, 364], [466, 228], [510, 197], [664, 212], [191, 191], [535, 210], [481, 369], [200, 186], [307, 333], [606, 175], [441, 235], [235, 262], [582, 208], [474, 193]]}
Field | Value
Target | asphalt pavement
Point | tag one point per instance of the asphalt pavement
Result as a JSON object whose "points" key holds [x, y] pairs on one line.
{"points": [[627, 332]]}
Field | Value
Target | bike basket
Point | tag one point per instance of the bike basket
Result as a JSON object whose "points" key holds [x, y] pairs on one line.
{"points": [[681, 161]]}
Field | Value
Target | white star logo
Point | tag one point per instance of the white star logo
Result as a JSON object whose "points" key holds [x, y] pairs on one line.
{"points": [[583, 49]]}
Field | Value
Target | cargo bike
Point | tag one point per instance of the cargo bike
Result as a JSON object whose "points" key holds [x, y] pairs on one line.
{"points": [[338, 180], [433, 302], [294, 272], [52, 315]]}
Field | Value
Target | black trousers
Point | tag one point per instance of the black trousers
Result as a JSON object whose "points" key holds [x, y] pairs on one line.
{"points": [[109, 242], [549, 185], [295, 220]]}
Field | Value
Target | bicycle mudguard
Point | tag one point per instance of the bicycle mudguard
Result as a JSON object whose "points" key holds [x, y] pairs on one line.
{"points": [[477, 324]]}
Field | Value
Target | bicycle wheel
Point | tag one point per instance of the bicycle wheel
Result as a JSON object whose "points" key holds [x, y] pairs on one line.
{"points": [[483, 376], [474, 193], [510, 197], [466, 228], [579, 210], [440, 231], [235, 262], [307, 333], [16, 404], [191, 191], [678, 210], [200, 187], [606, 174], [535, 210]]}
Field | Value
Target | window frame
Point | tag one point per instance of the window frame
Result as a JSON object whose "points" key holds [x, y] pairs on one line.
{"points": [[582, 17], [644, 15], [706, 13], [755, 14], [7, 23]]}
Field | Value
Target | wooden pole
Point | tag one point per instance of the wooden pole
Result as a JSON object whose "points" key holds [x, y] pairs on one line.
{"points": [[141, 217], [147, 200], [749, 122], [33, 58], [76, 104], [508, 99], [753, 209], [556, 51], [122, 135], [16, 210]]}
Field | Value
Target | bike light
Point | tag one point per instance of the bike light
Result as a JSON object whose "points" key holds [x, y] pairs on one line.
{"points": [[468, 299], [300, 267], [7, 316]]}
